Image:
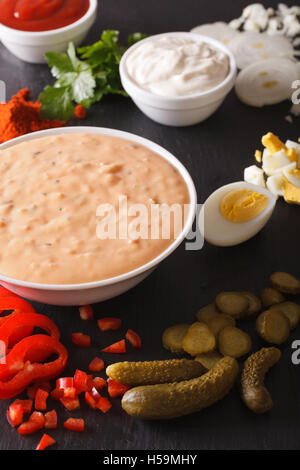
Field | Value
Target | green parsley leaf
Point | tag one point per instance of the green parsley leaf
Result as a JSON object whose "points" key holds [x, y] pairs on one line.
{"points": [[56, 103], [87, 79]]}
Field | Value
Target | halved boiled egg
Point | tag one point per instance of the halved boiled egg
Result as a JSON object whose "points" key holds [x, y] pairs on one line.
{"points": [[235, 212]]}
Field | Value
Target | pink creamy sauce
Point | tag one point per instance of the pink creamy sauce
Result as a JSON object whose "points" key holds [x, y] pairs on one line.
{"points": [[50, 189]]}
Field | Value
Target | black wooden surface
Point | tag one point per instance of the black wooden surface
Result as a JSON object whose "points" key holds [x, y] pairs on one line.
{"points": [[215, 152]]}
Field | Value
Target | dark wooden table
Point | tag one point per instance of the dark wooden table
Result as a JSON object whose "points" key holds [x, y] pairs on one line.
{"points": [[215, 152]]}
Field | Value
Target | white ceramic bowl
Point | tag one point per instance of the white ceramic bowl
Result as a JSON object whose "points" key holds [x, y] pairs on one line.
{"points": [[91, 292], [31, 46], [182, 110]]}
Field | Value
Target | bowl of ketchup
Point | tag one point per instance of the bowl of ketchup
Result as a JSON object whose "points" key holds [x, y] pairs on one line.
{"points": [[30, 28]]}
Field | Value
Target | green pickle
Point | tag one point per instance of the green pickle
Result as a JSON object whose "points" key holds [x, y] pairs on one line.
{"points": [[154, 372], [171, 400]]}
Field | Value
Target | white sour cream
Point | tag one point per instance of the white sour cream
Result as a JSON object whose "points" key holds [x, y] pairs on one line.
{"points": [[175, 66]]}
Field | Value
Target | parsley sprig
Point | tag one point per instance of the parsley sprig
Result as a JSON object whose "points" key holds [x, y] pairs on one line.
{"points": [[84, 76]]}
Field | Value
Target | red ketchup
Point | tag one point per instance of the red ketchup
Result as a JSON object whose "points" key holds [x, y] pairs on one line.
{"points": [[41, 15]]}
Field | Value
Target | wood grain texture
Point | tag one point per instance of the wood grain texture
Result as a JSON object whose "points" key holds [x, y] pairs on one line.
{"points": [[215, 152]]}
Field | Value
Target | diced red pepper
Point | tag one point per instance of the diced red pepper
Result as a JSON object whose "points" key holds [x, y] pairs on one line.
{"points": [[90, 400], [103, 404], [31, 391], [70, 392], [12, 383], [45, 442], [86, 312], [64, 382], [26, 405], [81, 340], [134, 339], [34, 424], [57, 394], [82, 382], [99, 383], [73, 424], [96, 365], [109, 323], [116, 348], [15, 414], [70, 403], [51, 420], [116, 389], [41, 400]]}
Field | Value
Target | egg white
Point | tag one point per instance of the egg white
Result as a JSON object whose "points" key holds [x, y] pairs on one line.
{"points": [[221, 232]]}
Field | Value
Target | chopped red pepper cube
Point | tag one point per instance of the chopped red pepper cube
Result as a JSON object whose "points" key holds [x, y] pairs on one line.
{"points": [[26, 405], [96, 365], [34, 424], [82, 382], [109, 323], [104, 404], [70, 392], [45, 442], [99, 383], [116, 348], [64, 382], [51, 420], [57, 394], [86, 312], [134, 339], [41, 400], [90, 400], [70, 403], [116, 389], [31, 391], [73, 424], [81, 340], [15, 414]]}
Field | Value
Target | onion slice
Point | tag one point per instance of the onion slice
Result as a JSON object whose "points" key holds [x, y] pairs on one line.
{"points": [[266, 82], [250, 47], [219, 30]]}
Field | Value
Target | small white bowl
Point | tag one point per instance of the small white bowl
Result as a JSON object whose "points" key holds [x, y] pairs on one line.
{"points": [[91, 292], [179, 110], [31, 46]]}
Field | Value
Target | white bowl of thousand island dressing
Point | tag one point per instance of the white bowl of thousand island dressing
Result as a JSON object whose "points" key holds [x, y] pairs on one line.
{"points": [[87, 213]]}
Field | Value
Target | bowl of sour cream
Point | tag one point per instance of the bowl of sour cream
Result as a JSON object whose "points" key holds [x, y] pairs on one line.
{"points": [[179, 78]]}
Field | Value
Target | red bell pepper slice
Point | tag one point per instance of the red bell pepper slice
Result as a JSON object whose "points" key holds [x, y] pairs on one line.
{"points": [[82, 382], [96, 365], [41, 400], [109, 323], [104, 404], [99, 383], [34, 424], [73, 424], [28, 373], [86, 312], [116, 348], [81, 340], [51, 420], [116, 389], [7, 293], [134, 339], [45, 442], [17, 305], [26, 405], [15, 414], [20, 323]]}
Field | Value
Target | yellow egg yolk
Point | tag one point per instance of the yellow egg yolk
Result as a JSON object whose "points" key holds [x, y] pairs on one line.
{"points": [[242, 205]]}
